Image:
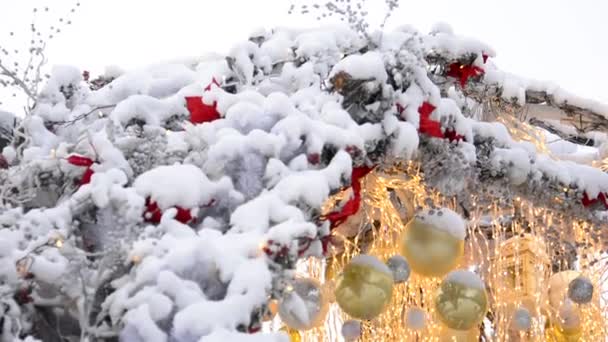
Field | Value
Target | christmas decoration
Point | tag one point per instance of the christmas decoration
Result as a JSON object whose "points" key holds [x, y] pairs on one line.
{"points": [[351, 330], [434, 250], [522, 320], [302, 168], [364, 288], [558, 288], [580, 290], [399, 267], [304, 305], [416, 319], [201, 112], [462, 301]]}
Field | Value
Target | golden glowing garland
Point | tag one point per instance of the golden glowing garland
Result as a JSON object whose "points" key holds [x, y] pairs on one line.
{"points": [[515, 276]]}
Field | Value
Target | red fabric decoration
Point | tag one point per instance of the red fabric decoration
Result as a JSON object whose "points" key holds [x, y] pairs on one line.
{"points": [[86, 176], [464, 72], [80, 160], [452, 135], [428, 126], [485, 57], [3, 162], [352, 205], [587, 202], [153, 213], [199, 111], [431, 127], [87, 162]]}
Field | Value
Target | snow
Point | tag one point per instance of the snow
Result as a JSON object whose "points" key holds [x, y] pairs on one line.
{"points": [[249, 176], [371, 261], [368, 66], [179, 185], [466, 278], [445, 220]]}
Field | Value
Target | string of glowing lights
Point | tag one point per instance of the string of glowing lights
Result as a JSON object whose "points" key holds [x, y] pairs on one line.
{"points": [[515, 248]]}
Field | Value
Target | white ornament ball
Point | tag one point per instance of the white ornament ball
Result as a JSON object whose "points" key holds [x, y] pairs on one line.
{"points": [[351, 330], [400, 268], [415, 319], [522, 320]]}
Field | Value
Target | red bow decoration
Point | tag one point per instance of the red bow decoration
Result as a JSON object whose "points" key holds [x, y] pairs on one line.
{"points": [[431, 127], [199, 111], [427, 125], [464, 72], [352, 205], [587, 202], [87, 162], [153, 213]]}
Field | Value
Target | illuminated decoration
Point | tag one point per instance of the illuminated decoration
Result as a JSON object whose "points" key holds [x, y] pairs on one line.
{"points": [[461, 301], [516, 237], [304, 305], [364, 288], [430, 250]]}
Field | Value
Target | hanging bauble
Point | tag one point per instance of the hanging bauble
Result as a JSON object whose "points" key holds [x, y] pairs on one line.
{"points": [[294, 335], [554, 334], [399, 267], [351, 330], [433, 242], [558, 287], [522, 320], [568, 319], [304, 305], [364, 288], [580, 290], [415, 319], [461, 301]]}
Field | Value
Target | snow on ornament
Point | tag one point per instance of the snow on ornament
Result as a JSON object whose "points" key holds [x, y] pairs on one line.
{"points": [[462, 301], [399, 267], [365, 287], [522, 320], [433, 242], [415, 319], [303, 305], [580, 290]]}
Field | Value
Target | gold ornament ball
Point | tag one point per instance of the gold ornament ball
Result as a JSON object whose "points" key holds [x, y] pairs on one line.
{"points": [[462, 301], [364, 288], [430, 250], [450, 335], [554, 334], [294, 335]]}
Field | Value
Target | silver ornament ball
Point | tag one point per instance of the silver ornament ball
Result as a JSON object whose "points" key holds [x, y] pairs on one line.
{"points": [[580, 290], [304, 305], [351, 330], [415, 319], [522, 320], [399, 267]]}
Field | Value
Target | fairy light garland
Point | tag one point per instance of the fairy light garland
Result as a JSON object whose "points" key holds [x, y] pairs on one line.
{"points": [[492, 223]]}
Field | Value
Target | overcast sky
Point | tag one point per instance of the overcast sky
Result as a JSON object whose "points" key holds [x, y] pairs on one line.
{"points": [[560, 40]]}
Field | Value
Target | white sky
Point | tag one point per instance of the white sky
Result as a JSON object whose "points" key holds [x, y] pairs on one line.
{"points": [[565, 41]]}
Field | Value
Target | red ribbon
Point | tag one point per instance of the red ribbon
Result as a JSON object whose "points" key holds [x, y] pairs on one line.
{"points": [[431, 127], [352, 205], [587, 202], [153, 213], [464, 72], [87, 162], [199, 111]]}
